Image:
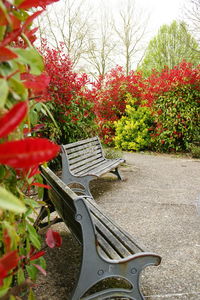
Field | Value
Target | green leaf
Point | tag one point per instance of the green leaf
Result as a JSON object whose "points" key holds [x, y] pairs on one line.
{"points": [[32, 272], [33, 117], [4, 89], [2, 171], [20, 276], [10, 202], [31, 295], [3, 291], [34, 238], [32, 58], [2, 32], [17, 89]]}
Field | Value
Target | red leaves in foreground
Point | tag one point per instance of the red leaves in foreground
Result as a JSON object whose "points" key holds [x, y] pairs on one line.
{"points": [[26, 4], [53, 239], [6, 54], [28, 152], [13, 118], [7, 262]]}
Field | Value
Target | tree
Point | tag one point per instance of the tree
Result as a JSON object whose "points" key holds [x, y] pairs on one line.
{"points": [[169, 47], [100, 51], [191, 14], [68, 24], [130, 32]]}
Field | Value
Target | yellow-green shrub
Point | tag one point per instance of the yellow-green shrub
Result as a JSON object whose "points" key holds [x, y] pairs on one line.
{"points": [[132, 130]]}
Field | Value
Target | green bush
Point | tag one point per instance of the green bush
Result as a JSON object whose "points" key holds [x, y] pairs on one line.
{"points": [[132, 130], [177, 121]]}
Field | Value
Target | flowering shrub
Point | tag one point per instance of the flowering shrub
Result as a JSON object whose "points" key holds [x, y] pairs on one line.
{"points": [[21, 67], [132, 130], [67, 99], [109, 96]]}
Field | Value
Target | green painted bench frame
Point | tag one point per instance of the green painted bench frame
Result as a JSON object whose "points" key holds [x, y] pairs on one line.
{"points": [[107, 250], [84, 161]]}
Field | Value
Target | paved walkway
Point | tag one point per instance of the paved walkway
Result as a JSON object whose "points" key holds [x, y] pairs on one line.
{"points": [[159, 204]]}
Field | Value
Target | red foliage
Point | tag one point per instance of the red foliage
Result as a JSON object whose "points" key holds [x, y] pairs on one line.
{"points": [[8, 262], [159, 83], [27, 152], [6, 54], [64, 82], [13, 118], [109, 95], [36, 83]]}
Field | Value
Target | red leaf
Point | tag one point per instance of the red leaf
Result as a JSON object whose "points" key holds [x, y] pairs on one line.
{"points": [[30, 19], [36, 83], [6, 240], [41, 185], [37, 255], [3, 20], [53, 239], [34, 171], [13, 118], [8, 262], [26, 4], [40, 269], [10, 37], [15, 22], [27, 152], [6, 54]]}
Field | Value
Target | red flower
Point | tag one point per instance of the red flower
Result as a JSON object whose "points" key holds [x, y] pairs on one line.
{"points": [[53, 239]]}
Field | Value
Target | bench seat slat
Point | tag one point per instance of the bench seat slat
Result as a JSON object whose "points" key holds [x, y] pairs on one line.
{"points": [[128, 241], [86, 168], [100, 168], [113, 240], [82, 142], [85, 159], [105, 249], [71, 149], [80, 154]]}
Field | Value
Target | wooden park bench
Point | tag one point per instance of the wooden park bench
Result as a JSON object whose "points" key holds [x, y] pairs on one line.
{"points": [[84, 161], [108, 252]]}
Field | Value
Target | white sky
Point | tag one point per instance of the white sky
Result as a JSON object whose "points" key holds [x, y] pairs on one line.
{"points": [[160, 11]]}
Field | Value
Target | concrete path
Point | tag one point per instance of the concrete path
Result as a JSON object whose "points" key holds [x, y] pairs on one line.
{"points": [[159, 204]]}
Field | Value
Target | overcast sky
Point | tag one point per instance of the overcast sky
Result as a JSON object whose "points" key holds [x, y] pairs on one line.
{"points": [[160, 11]]}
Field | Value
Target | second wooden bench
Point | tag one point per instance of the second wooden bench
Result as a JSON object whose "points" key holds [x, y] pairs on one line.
{"points": [[84, 161]]}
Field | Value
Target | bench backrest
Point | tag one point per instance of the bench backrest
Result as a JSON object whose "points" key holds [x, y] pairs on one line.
{"points": [[62, 198], [83, 154]]}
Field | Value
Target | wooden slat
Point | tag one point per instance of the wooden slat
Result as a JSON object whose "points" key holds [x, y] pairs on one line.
{"points": [[80, 153], [126, 239], [100, 167], [72, 149], [84, 161], [106, 250], [81, 142], [85, 169]]}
